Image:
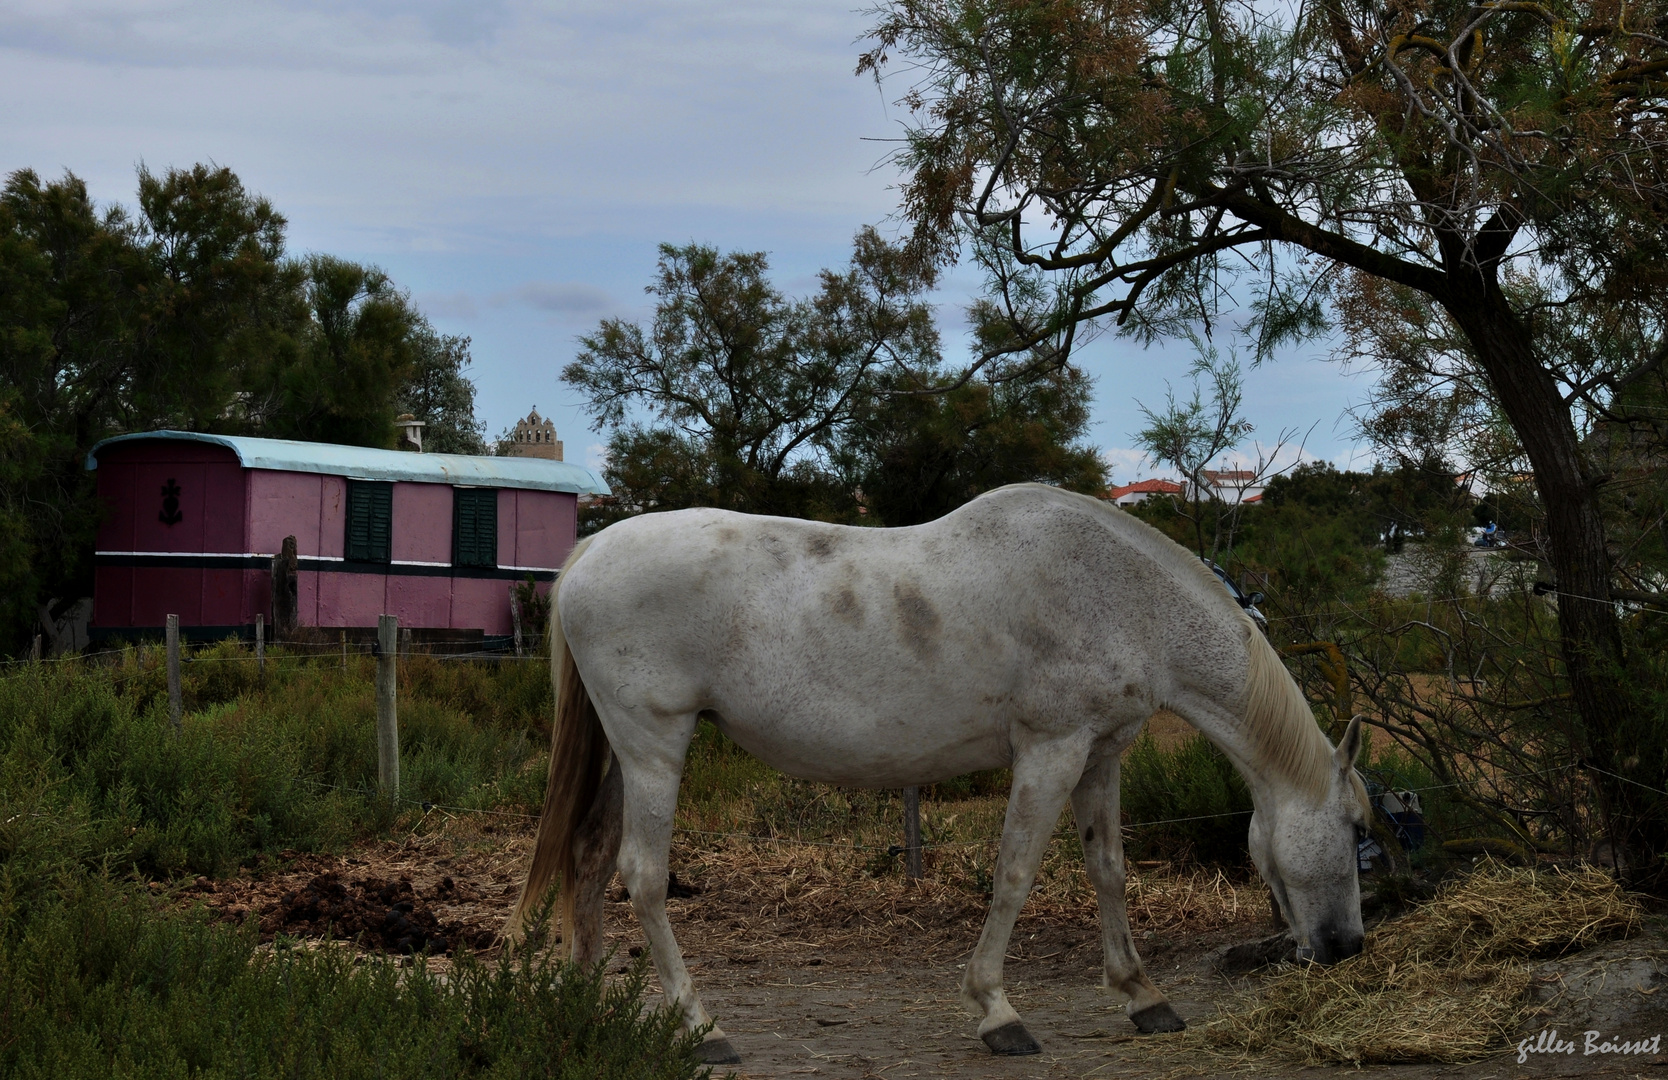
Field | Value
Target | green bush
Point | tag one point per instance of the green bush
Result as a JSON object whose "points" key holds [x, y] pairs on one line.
{"points": [[718, 774], [1193, 781], [100, 978], [257, 765], [105, 983]]}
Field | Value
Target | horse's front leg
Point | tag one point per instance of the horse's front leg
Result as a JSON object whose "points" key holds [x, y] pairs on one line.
{"points": [[1095, 805], [1043, 777]]}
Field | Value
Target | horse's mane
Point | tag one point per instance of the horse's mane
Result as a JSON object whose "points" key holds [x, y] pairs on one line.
{"points": [[1279, 726], [1282, 729]]}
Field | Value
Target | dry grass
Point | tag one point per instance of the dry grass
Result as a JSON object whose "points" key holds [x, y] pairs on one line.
{"points": [[834, 899], [1446, 982]]}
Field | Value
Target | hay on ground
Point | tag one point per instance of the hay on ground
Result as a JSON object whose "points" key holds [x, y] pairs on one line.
{"points": [[834, 897], [1446, 982]]}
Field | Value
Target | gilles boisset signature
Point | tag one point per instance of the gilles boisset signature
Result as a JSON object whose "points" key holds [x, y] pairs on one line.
{"points": [[1593, 1042]]}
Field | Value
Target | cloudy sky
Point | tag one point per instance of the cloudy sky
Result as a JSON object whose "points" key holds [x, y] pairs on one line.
{"points": [[515, 164]]}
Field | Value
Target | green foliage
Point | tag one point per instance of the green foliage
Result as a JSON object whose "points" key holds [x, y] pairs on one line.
{"points": [[718, 773], [535, 609], [920, 455], [1193, 780], [353, 357], [1319, 536], [1638, 800], [98, 977], [747, 387], [20, 467], [830, 407], [1188, 436], [437, 393], [103, 982], [256, 768]]}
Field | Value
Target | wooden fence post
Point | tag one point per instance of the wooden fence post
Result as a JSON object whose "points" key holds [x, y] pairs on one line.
{"points": [[35, 650], [286, 585], [174, 671], [912, 832], [405, 643], [260, 644], [344, 650], [387, 719], [515, 619]]}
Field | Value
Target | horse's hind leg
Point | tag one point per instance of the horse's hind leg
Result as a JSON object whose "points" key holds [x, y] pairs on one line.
{"points": [[1095, 805], [1043, 776], [651, 779]]}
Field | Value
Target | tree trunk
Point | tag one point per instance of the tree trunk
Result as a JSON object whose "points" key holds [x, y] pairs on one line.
{"points": [[1590, 633]]}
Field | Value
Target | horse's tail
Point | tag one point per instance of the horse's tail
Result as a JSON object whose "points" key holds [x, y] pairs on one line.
{"points": [[578, 752]]}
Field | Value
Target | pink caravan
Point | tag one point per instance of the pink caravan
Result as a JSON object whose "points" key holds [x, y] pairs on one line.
{"points": [[193, 522]]}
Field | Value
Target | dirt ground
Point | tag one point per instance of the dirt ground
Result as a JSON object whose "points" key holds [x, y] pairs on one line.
{"points": [[814, 971]]}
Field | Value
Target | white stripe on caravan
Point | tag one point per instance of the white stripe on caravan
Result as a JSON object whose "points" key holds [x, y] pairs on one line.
{"points": [[315, 558], [227, 555]]}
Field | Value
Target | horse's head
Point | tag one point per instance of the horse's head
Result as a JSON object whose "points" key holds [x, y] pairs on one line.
{"points": [[1306, 851]]}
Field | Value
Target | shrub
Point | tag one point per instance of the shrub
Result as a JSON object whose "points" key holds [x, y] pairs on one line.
{"points": [[103, 982], [256, 767], [1192, 781]]}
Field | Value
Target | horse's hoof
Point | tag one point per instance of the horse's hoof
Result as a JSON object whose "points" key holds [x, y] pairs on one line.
{"points": [[1011, 1040], [1157, 1019], [717, 1052]]}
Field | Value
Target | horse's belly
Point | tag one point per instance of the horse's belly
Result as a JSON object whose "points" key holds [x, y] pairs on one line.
{"points": [[884, 751]]}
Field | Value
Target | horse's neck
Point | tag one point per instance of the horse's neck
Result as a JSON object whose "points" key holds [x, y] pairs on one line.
{"points": [[1275, 765]]}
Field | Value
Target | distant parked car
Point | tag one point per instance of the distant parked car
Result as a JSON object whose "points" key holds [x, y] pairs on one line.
{"points": [[1248, 601]]}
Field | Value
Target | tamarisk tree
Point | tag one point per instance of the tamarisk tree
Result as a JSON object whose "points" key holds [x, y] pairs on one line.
{"points": [[1164, 164]]}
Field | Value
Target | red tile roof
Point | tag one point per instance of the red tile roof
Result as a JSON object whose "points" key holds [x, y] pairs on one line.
{"points": [[1145, 487]]}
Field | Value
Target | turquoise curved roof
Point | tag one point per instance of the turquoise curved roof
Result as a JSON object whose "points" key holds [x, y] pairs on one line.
{"points": [[368, 463]]}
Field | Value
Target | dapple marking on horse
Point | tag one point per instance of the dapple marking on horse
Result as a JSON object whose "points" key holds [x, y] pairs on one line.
{"points": [[1031, 627]]}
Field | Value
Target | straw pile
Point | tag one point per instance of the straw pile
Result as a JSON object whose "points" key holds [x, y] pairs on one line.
{"points": [[1446, 982]]}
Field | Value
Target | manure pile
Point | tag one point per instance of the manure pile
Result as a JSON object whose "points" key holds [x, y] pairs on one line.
{"points": [[374, 913], [1446, 982]]}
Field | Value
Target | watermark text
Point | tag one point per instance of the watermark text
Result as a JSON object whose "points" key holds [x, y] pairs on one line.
{"points": [[1592, 1042]]}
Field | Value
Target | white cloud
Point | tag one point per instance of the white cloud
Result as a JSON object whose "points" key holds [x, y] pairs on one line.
{"points": [[1269, 458], [1126, 465]]}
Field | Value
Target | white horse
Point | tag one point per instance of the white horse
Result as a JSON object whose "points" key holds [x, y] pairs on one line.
{"points": [[1032, 628]]}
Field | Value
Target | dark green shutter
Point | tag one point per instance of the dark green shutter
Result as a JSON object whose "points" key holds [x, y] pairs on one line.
{"points": [[474, 527], [370, 521]]}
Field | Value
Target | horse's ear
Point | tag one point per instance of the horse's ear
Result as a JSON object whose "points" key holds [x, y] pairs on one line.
{"points": [[1349, 747]]}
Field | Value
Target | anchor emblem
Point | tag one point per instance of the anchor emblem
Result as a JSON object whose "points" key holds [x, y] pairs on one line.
{"points": [[170, 514]]}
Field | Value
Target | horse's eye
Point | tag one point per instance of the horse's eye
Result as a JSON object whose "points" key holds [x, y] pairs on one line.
{"points": [[1361, 834]]}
